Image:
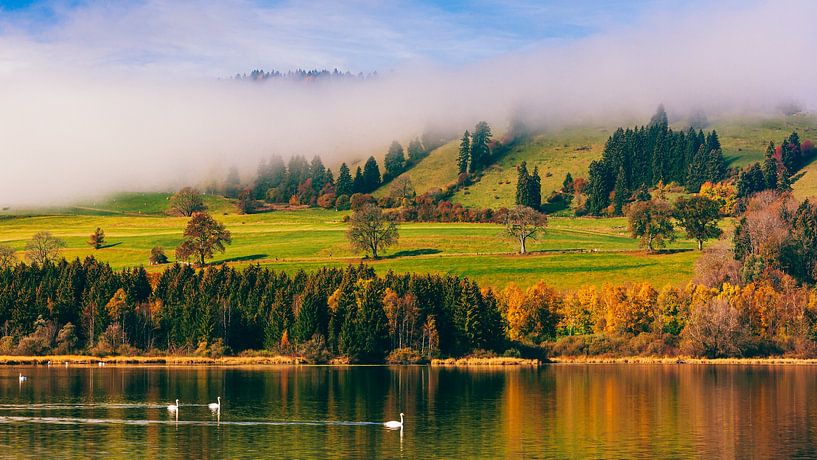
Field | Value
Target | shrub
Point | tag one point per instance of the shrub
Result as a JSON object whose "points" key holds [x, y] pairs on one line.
{"points": [[512, 353], [157, 256], [406, 356], [342, 203], [6, 345], [66, 340], [314, 350], [39, 342], [109, 341]]}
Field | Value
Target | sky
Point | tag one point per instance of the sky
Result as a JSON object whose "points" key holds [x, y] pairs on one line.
{"points": [[106, 96], [217, 38]]}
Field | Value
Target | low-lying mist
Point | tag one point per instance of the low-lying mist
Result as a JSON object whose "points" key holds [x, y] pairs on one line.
{"points": [[72, 131]]}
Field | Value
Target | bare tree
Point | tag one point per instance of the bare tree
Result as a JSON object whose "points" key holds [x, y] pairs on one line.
{"points": [[7, 256], [523, 223], [43, 247], [401, 187], [714, 330], [202, 237], [187, 201], [370, 230]]}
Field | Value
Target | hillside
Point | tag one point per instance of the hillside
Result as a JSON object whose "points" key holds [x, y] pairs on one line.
{"points": [[129, 203], [556, 153]]}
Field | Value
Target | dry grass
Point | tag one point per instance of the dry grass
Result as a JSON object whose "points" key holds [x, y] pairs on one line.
{"points": [[681, 360], [156, 360], [477, 361]]}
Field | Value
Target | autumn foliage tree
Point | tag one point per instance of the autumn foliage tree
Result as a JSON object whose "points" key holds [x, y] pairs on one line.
{"points": [[186, 202], [97, 239], [203, 236]]}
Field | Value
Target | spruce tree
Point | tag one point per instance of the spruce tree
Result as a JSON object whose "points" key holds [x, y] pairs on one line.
{"points": [[567, 184], [522, 188], [619, 193], [358, 184], [535, 189], [480, 150], [415, 151], [344, 185], [371, 175], [394, 162], [465, 153]]}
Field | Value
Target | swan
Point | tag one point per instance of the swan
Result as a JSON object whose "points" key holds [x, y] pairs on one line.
{"points": [[215, 406], [23, 378], [394, 424], [174, 407]]}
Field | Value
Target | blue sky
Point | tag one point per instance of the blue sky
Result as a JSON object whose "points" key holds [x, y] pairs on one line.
{"points": [[237, 35]]}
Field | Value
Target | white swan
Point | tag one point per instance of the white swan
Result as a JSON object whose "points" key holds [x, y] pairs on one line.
{"points": [[394, 424], [215, 406], [23, 378], [174, 407]]}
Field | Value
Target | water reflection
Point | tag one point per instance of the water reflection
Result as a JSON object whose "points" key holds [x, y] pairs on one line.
{"points": [[556, 411]]}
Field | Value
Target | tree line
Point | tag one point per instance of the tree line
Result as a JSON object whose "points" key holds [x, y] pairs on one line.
{"points": [[67, 307], [350, 312]]}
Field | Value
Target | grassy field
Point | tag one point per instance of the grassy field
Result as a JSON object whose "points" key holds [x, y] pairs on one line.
{"points": [[744, 141], [571, 253]]}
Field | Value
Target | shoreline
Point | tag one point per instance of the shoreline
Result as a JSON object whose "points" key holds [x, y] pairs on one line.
{"points": [[294, 361]]}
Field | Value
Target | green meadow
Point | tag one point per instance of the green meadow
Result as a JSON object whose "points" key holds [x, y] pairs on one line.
{"points": [[572, 252]]}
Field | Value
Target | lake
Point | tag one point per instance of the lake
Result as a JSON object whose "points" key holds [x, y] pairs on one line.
{"points": [[613, 411]]}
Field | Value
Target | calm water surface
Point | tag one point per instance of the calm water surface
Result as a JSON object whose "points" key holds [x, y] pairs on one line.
{"points": [[560, 411]]}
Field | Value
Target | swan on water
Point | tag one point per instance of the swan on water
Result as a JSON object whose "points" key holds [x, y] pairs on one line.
{"points": [[394, 424], [215, 406], [174, 407], [23, 378]]}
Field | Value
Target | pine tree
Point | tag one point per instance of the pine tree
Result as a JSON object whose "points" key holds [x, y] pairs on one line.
{"points": [[535, 189], [415, 151], [619, 192], [465, 153], [371, 175], [522, 188], [344, 184], [598, 188], [358, 184], [660, 117], [480, 150], [394, 162], [97, 239], [567, 184]]}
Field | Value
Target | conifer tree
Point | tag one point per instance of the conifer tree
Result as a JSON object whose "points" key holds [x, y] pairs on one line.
{"points": [[480, 150], [394, 162], [522, 188], [371, 175], [619, 193], [358, 184], [535, 189], [344, 184], [464, 153]]}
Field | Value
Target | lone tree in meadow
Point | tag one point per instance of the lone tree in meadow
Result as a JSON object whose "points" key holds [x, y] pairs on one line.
{"points": [[202, 237], [370, 230], [523, 223], [699, 216], [651, 222], [186, 202], [7, 256], [43, 247], [97, 239], [157, 256]]}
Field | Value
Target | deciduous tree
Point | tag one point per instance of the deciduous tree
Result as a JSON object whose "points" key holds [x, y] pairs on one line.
{"points": [[202, 237], [651, 222], [43, 247], [523, 223], [699, 216], [186, 201], [371, 230]]}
